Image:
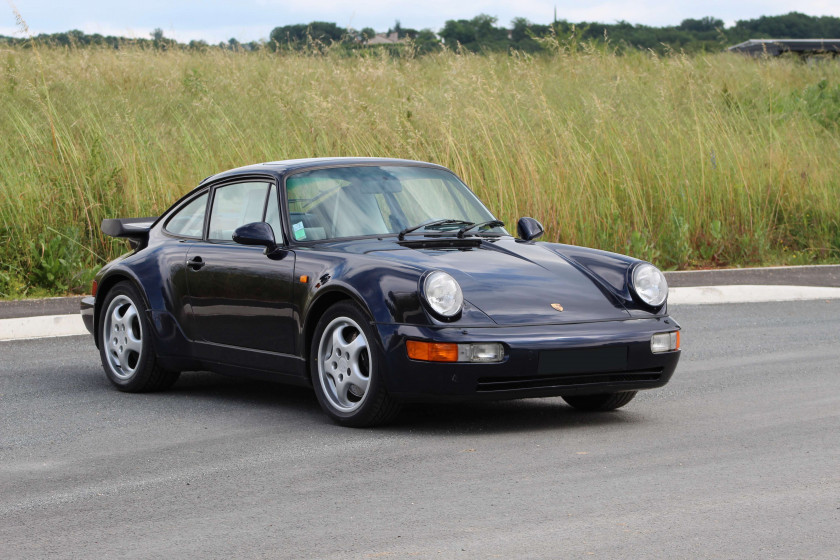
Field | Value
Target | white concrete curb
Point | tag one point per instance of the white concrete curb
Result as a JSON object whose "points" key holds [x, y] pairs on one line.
{"points": [[755, 269], [702, 295], [46, 326]]}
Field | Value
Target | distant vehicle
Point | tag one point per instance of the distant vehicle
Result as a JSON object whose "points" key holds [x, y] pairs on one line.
{"points": [[776, 47], [376, 282]]}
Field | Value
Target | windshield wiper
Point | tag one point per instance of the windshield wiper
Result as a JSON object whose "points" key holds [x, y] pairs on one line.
{"points": [[402, 234], [488, 224]]}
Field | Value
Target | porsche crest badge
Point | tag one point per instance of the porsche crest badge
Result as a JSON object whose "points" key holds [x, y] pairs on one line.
{"points": [[557, 306]]}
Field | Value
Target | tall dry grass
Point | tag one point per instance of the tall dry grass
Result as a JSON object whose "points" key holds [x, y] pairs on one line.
{"points": [[684, 161]]}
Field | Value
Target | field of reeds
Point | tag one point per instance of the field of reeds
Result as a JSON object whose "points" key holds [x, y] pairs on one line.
{"points": [[709, 160]]}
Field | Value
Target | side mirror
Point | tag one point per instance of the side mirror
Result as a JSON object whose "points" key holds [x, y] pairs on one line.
{"points": [[256, 233], [529, 229]]}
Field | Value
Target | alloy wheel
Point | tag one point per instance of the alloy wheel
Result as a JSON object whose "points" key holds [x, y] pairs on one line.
{"points": [[344, 364], [122, 335]]}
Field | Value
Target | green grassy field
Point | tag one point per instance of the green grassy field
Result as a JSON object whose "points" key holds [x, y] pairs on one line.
{"points": [[713, 160]]}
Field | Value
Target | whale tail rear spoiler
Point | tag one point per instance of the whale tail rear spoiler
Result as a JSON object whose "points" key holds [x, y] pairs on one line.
{"points": [[136, 230]]}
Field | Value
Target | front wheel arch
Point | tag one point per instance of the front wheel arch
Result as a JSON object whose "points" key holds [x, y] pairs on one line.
{"points": [[346, 353], [321, 305]]}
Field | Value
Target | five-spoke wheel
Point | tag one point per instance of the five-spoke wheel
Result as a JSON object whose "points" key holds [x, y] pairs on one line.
{"points": [[344, 364], [125, 343], [122, 335], [346, 369]]}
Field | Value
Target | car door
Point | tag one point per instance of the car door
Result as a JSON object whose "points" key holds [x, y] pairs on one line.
{"points": [[239, 297], [184, 227]]}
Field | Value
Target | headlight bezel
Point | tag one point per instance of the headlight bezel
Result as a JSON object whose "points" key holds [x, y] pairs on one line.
{"points": [[426, 284], [636, 279]]}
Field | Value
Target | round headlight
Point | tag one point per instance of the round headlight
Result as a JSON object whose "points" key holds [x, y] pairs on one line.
{"points": [[650, 285], [443, 294]]}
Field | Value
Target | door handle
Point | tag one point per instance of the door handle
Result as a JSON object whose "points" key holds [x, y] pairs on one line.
{"points": [[195, 263]]}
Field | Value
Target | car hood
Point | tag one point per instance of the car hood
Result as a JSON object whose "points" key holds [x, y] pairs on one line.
{"points": [[513, 282]]}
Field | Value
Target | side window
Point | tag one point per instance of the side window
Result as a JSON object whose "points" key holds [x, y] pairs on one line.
{"points": [[272, 215], [234, 206], [189, 220]]}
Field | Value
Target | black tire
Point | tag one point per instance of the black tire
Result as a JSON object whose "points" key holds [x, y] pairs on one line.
{"points": [[603, 402], [347, 369], [125, 343]]}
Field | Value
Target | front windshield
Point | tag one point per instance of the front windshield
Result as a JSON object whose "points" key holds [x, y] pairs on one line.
{"points": [[380, 200]]}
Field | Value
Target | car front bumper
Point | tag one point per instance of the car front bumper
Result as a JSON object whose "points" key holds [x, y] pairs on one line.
{"points": [[540, 360]]}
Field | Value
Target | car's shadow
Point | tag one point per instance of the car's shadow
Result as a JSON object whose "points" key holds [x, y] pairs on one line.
{"points": [[254, 393], [503, 416], [432, 419]]}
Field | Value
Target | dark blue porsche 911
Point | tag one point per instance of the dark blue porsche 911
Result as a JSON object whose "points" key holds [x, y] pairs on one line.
{"points": [[376, 282]]}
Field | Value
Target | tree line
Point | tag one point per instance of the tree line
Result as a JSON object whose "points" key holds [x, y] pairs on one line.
{"points": [[483, 34]]}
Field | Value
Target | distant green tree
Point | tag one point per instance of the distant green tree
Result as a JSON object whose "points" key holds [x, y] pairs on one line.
{"points": [[707, 23], [789, 26], [161, 42], [523, 33], [298, 35], [425, 41], [478, 33]]}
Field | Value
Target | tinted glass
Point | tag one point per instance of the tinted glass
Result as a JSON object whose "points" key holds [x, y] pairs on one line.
{"points": [[357, 201], [234, 206], [189, 220]]}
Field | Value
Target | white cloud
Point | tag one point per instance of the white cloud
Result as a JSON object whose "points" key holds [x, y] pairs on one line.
{"points": [[10, 31], [214, 35], [91, 27]]}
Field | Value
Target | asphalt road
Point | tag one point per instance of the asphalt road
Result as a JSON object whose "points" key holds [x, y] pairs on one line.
{"points": [[738, 457]]}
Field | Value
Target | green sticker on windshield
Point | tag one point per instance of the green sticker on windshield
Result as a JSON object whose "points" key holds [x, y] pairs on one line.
{"points": [[299, 231]]}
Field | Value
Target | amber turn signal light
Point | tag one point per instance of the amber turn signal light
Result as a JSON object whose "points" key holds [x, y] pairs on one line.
{"points": [[432, 351], [449, 352]]}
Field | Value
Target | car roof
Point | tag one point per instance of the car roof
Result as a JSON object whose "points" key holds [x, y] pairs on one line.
{"points": [[291, 165]]}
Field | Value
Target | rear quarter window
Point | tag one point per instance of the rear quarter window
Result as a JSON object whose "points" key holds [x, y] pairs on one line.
{"points": [[189, 220]]}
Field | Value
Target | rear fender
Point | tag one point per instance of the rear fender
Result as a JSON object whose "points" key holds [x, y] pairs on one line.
{"points": [[168, 338]]}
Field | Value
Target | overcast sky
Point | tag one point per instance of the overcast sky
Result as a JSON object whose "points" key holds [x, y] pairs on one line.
{"points": [[247, 20]]}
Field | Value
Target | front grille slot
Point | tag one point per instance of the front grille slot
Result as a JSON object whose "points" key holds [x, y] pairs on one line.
{"points": [[490, 384]]}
